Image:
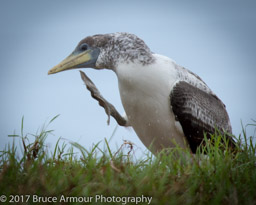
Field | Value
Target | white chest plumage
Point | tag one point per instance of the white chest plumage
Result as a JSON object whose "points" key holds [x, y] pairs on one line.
{"points": [[145, 94]]}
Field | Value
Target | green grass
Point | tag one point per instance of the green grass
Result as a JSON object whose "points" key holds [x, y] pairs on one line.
{"points": [[224, 177]]}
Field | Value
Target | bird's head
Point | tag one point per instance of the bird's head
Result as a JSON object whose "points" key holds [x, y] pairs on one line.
{"points": [[106, 51]]}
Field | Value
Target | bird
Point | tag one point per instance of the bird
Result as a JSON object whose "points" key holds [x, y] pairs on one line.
{"points": [[166, 104]]}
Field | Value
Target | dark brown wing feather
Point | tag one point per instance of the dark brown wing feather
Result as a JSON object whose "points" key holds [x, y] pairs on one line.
{"points": [[198, 112]]}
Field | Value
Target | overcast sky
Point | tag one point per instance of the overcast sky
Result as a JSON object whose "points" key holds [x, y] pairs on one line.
{"points": [[214, 39]]}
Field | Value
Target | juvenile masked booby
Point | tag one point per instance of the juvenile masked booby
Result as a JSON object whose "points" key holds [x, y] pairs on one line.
{"points": [[165, 103]]}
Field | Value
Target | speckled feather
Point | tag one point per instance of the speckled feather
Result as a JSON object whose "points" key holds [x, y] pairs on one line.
{"points": [[118, 48]]}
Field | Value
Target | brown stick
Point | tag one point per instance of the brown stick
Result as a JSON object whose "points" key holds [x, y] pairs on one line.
{"points": [[108, 107]]}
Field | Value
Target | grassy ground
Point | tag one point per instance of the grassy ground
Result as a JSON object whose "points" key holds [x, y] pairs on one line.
{"points": [[114, 177]]}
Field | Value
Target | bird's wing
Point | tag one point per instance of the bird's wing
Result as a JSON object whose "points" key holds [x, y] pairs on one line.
{"points": [[198, 112]]}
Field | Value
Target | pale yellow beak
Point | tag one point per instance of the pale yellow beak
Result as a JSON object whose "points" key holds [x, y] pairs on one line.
{"points": [[71, 62]]}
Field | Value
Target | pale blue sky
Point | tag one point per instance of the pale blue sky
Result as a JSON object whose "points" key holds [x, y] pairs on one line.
{"points": [[214, 39]]}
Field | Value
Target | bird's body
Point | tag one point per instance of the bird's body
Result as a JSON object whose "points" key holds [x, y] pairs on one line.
{"points": [[146, 100], [165, 103]]}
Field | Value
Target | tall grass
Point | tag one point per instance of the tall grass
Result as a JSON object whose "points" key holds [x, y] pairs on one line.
{"points": [[223, 177]]}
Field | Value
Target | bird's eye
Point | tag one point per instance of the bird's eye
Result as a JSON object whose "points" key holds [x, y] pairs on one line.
{"points": [[84, 47]]}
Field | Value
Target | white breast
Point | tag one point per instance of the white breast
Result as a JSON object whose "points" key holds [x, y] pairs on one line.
{"points": [[145, 94]]}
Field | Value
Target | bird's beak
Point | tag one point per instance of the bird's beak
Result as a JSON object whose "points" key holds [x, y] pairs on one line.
{"points": [[71, 62]]}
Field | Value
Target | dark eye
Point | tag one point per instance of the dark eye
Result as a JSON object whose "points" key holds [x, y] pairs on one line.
{"points": [[83, 47]]}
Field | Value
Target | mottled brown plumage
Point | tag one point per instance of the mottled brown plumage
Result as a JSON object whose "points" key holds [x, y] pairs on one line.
{"points": [[198, 112]]}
